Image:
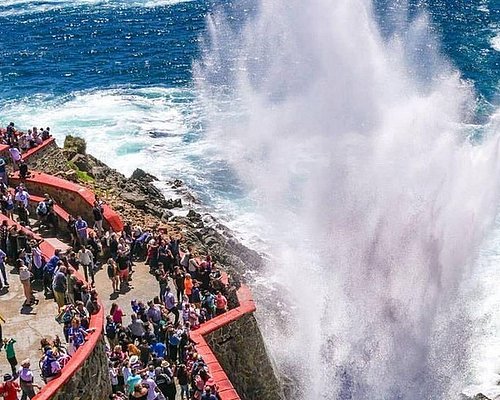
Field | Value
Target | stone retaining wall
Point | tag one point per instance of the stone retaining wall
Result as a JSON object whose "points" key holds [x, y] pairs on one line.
{"points": [[89, 382], [240, 350]]}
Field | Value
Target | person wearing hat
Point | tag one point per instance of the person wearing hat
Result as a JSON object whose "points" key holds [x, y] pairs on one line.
{"points": [[9, 388], [26, 380]]}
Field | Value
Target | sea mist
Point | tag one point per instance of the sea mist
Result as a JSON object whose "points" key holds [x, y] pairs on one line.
{"points": [[356, 146]]}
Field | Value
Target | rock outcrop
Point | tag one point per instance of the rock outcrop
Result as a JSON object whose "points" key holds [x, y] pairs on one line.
{"points": [[139, 201]]}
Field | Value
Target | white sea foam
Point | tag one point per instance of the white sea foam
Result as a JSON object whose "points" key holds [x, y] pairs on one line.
{"points": [[154, 128], [356, 149], [495, 42], [26, 7]]}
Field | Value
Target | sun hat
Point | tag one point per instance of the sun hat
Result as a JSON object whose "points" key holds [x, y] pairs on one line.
{"points": [[134, 359], [25, 362], [7, 377]]}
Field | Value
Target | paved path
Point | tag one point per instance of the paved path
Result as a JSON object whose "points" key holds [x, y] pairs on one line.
{"points": [[26, 324]]}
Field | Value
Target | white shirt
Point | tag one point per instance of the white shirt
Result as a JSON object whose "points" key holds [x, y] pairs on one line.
{"points": [[23, 197], [15, 153], [85, 257]]}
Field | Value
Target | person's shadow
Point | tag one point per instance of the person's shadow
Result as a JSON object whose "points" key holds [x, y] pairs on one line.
{"points": [[27, 310], [114, 296]]}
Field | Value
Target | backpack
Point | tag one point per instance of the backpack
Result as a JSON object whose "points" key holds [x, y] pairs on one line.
{"points": [[41, 209], [47, 368]]}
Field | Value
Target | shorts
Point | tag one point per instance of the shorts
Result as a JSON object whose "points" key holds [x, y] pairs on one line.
{"points": [[124, 273]]}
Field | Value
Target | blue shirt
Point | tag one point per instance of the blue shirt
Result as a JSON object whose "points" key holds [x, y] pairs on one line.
{"points": [[51, 264], [159, 348], [81, 228]]}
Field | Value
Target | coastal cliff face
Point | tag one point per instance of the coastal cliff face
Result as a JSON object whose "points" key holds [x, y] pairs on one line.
{"points": [[238, 346]]}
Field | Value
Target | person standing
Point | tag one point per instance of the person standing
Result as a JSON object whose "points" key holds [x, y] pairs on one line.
{"points": [[11, 354], [60, 286], [27, 380], [171, 305], [81, 230], [86, 259], [16, 156], [2, 321], [22, 197], [25, 277], [2, 270], [98, 211], [113, 275], [178, 279], [116, 313], [9, 388], [3, 173], [150, 384], [220, 304]]}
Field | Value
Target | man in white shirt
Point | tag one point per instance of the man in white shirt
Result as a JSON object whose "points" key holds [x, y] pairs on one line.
{"points": [[86, 259], [22, 196]]}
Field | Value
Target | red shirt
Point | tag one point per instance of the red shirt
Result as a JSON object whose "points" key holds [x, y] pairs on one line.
{"points": [[9, 390]]}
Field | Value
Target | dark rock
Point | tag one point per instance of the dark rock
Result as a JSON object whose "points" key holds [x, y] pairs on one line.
{"points": [[98, 172], [69, 153], [75, 144], [178, 203], [152, 190], [193, 216], [81, 162], [166, 215], [136, 199], [176, 184], [169, 204], [143, 176]]}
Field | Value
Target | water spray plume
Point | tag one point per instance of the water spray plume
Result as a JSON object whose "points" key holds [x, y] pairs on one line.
{"points": [[356, 146]]}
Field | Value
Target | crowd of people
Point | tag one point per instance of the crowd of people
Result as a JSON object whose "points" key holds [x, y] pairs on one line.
{"points": [[152, 357]]}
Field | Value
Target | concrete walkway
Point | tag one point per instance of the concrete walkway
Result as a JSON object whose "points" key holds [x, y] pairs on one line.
{"points": [[26, 324]]}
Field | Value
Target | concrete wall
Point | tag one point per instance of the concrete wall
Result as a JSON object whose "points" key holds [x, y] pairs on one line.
{"points": [[232, 346], [240, 350], [89, 381]]}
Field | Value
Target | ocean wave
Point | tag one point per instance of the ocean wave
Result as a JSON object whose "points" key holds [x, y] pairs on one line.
{"points": [[158, 129], [495, 42], [11, 8]]}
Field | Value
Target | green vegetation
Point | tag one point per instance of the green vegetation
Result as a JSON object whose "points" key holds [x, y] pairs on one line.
{"points": [[82, 176]]}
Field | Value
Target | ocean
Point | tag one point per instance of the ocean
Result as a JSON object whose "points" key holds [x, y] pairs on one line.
{"points": [[192, 90]]}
